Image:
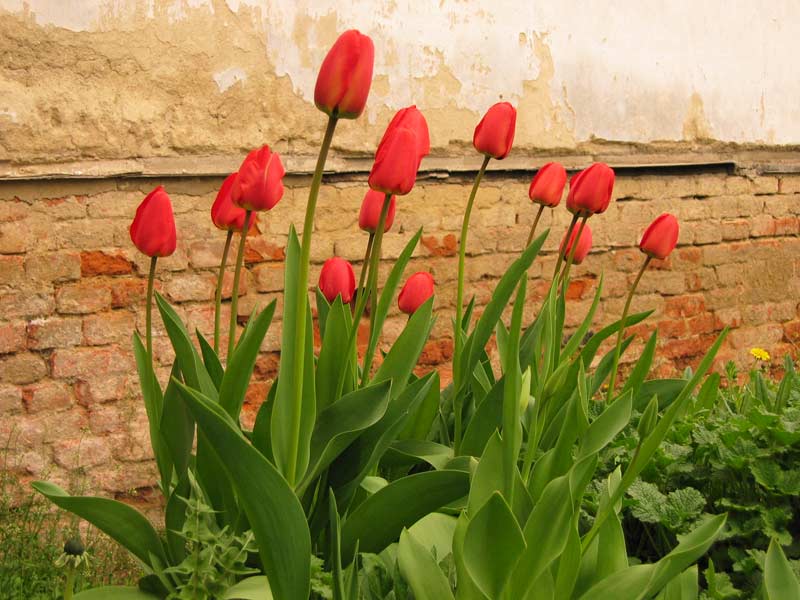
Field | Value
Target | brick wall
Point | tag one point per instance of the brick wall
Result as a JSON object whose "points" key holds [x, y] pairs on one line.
{"points": [[72, 285]]}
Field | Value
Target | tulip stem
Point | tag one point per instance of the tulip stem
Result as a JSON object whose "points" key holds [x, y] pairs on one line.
{"points": [[372, 284], [621, 332], [571, 258], [301, 302], [364, 268], [457, 342], [533, 227], [218, 295], [235, 291], [575, 218], [148, 312]]}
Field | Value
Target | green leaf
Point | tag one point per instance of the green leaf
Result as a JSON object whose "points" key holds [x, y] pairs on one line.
{"points": [[399, 363], [177, 426], [780, 582], [683, 586], [577, 337], [492, 545], [240, 366], [666, 390], [210, 360], [339, 424], [420, 570], [333, 355], [420, 420], [252, 588], [707, 396], [606, 427], [435, 531], [485, 420], [114, 592], [120, 522], [404, 453], [378, 521], [642, 366], [273, 511]]}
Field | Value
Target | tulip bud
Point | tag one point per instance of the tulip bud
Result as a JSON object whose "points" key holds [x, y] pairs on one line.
{"points": [[345, 76], [547, 186], [416, 291], [495, 133], [590, 190], [396, 160], [153, 228], [259, 185], [411, 118], [337, 279], [224, 213], [660, 237], [371, 209], [649, 418], [583, 247]]}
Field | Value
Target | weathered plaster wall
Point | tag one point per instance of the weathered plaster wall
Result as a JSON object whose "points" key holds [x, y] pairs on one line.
{"points": [[132, 78]]}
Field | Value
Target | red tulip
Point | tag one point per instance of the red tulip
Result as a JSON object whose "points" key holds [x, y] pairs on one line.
{"points": [[416, 291], [259, 185], [345, 76], [337, 279], [224, 213], [411, 118], [583, 247], [660, 237], [371, 211], [548, 184], [495, 133], [153, 227], [396, 160], [590, 190]]}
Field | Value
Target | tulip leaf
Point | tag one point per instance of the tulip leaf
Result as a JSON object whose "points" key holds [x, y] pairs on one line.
{"points": [[404, 453], [666, 390], [780, 582], [642, 367], [177, 426], [682, 587], [114, 592], [576, 338], [251, 588], [333, 355], [420, 420], [487, 418], [272, 508], [120, 522], [421, 571], [240, 366], [467, 588], [210, 360], [174, 518], [435, 531], [606, 427], [378, 521]]}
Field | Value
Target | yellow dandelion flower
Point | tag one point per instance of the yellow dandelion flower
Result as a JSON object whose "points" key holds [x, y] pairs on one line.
{"points": [[759, 354]]}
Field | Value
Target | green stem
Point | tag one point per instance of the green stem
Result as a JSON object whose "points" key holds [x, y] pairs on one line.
{"points": [[235, 292], [298, 347], [148, 312], [364, 267], [535, 223], [621, 332], [218, 295], [372, 284], [69, 584], [566, 238], [571, 258], [462, 253]]}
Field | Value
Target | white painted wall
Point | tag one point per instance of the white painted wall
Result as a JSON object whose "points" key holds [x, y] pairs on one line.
{"points": [[624, 70]]}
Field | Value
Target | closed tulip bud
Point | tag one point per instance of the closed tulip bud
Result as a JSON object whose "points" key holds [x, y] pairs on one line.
{"points": [[416, 291], [337, 279], [660, 237], [583, 247], [396, 160], [371, 209], [224, 213], [153, 228], [649, 418], [411, 118], [590, 190], [495, 133], [259, 185], [547, 186], [345, 76]]}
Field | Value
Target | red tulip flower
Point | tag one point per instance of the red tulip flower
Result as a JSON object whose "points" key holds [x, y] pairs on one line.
{"points": [[371, 209], [224, 213], [411, 118], [153, 227], [416, 291], [660, 237], [259, 185], [396, 160], [590, 190], [583, 247], [495, 133], [337, 279], [345, 76], [547, 186]]}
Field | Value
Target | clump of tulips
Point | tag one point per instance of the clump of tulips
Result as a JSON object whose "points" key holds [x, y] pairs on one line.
{"points": [[348, 460]]}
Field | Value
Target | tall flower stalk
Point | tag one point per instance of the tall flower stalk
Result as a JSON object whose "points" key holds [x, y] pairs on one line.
{"points": [[218, 293], [235, 292]]}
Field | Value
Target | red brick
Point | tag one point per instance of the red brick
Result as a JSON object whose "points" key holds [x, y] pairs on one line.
{"points": [[128, 292], [12, 337], [269, 277], [93, 389], [78, 362], [684, 306], [22, 368], [791, 331], [14, 238], [671, 328], [84, 452], [192, 287], [10, 399], [83, 298], [107, 418], [47, 396], [12, 270], [114, 327], [704, 323], [102, 263], [258, 249], [25, 304], [687, 347], [53, 267], [436, 352], [55, 332], [447, 246]]}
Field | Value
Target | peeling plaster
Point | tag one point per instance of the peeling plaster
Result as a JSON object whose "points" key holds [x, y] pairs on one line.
{"points": [[229, 77]]}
